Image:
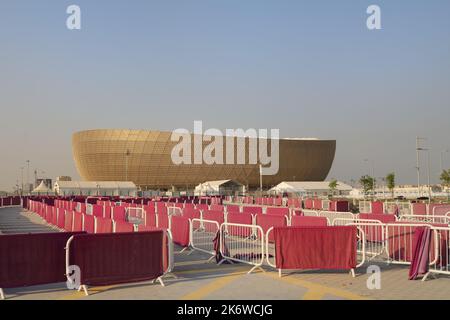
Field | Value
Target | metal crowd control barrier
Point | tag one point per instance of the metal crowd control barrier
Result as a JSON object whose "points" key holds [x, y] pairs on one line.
{"points": [[135, 215], [374, 237], [425, 219], [441, 265], [400, 242], [84, 287], [174, 211], [331, 215], [310, 213], [365, 206], [238, 244], [202, 234], [361, 250], [404, 208]]}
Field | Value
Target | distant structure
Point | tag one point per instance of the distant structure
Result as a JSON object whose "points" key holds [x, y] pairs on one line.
{"points": [[144, 157], [63, 178], [100, 188], [311, 188], [42, 189], [219, 187]]}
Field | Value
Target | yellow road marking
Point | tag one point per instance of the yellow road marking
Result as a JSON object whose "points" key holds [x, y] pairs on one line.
{"points": [[206, 290], [313, 295], [80, 294], [316, 288]]}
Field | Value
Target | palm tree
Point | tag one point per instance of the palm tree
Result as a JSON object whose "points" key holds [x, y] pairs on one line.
{"points": [[445, 181], [333, 186], [390, 181]]}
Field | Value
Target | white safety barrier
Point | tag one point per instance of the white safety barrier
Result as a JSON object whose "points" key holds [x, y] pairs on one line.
{"points": [[331, 215], [425, 219], [441, 210], [440, 265], [202, 234], [374, 237], [400, 242], [326, 205], [174, 211], [310, 213], [134, 215], [238, 243], [361, 243], [404, 208], [364, 206]]}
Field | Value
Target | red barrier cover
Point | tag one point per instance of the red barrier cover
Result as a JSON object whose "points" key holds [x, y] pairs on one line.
{"points": [[118, 213], [163, 221], [180, 230], [302, 221], [377, 207], [214, 216], [77, 221], [315, 247], [250, 209], [106, 259], [122, 226], [421, 252], [103, 225], [61, 219], [32, 259], [68, 220], [150, 219], [266, 221], [233, 208], [278, 211], [88, 223]]}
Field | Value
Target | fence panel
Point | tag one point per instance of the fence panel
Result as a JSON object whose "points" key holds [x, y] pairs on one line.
{"points": [[202, 234], [236, 244], [441, 264]]}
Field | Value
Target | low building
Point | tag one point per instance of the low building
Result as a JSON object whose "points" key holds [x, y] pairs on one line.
{"points": [[311, 188], [91, 188], [219, 187]]}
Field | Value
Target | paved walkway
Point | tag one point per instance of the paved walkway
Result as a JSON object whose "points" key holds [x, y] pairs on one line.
{"points": [[14, 220], [198, 280]]}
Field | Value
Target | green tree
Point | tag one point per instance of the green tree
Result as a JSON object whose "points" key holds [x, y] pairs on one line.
{"points": [[390, 181], [333, 186], [445, 180], [368, 183]]}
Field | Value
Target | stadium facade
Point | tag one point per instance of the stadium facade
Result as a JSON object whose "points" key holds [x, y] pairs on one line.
{"points": [[144, 157]]}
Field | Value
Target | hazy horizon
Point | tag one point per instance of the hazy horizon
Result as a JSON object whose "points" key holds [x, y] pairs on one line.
{"points": [[310, 69]]}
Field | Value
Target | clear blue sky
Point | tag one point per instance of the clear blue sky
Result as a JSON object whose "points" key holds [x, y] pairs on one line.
{"points": [[310, 68]]}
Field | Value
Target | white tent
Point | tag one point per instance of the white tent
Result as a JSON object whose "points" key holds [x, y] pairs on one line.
{"points": [[310, 188], [218, 187], [42, 189]]}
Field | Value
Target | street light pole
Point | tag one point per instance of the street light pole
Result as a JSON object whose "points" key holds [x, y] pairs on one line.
{"points": [[418, 164], [260, 179], [28, 176]]}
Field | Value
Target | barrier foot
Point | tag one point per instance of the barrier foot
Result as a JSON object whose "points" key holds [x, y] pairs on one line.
{"points": [[85, 289], [279, 273], [352, 272], [210, 259], [2, 295], [161, 281], [184, 249], [254, 268]]}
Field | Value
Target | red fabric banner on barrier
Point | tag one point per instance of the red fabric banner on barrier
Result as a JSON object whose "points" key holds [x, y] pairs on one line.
{"points": [[278, 211], [122, 226], [106, 259], [88, 223], [302, 221], [180, 230], [32, 259], [315, 247]]}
